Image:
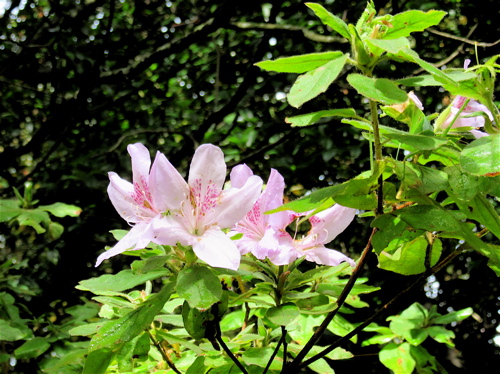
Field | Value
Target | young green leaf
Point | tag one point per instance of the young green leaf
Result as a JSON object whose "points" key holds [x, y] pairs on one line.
{"points": [[329, 19], [315, 82], [61, 209], [310, 118], [403, 24], [299, 64]]}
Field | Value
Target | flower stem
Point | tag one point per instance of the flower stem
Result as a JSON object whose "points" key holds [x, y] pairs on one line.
{"points": [[378, 157]]}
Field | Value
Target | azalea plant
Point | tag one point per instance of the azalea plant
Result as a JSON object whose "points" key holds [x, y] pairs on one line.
{"points": [[227, 278]]}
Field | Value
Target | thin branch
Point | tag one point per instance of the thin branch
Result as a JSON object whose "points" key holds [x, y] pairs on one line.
{"points": [[307, 33], [463, 40], [229, 353], [164, 354], [276, 350], [452, 55], [421, 279], [345, 292]]}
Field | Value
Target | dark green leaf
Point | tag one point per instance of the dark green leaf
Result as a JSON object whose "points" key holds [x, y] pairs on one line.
{"points": [[283, 315], [98, 361], [117, 332], [199, 286], [381, 90]]}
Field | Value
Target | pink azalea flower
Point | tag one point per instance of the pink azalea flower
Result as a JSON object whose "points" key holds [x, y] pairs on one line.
{"points": [[200, 209], [168, 211], [471, 107], [326, 225], [265, 235], [141, 202]]}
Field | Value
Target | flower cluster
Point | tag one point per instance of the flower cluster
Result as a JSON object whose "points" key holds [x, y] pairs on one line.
{"points": [[162, 208], [265, 235]]}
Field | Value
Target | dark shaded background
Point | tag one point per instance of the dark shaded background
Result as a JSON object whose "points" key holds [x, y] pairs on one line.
{"points": [[82, 79]]}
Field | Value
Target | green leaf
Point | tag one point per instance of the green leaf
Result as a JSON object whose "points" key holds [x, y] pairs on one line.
{"points": [[429, 218], [124, 280], [424, 179], [9, 333], [464, 185], [259, 357], [55, 230], [33, 218], [310, 118], [196, 321], [172, 339], [329, 19], [403, 24], [198, 366], [441, 335], [457, 316], [199, 286], [381, 90], [397, 357], [98, 361], [86, 329], [9, 209], [299, 64], [426, 362], [429, 80], [408, 258], [283, 314], [117, 332], [61, 209], [125, 354], [150, 264], [482, 156], [356, 193], [315, 82], [418, 142], [391, 46], [439, 75], [390, 227]]}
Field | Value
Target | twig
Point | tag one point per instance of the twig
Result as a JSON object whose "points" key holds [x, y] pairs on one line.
{"points": [[345, 292], [307, 33], [276, 350], [463, 40], [164, 354], [389, 304], [226, 349], [452, 55]]}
